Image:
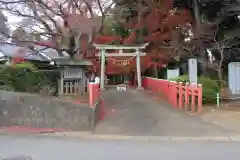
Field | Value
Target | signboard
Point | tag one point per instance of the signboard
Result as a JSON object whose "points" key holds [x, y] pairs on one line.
{"points": [[172, 73], [73, 73], [192, 70], [234, 78]]}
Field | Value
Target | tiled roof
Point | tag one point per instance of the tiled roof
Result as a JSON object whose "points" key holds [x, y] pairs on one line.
{"points": [[12, 50]]}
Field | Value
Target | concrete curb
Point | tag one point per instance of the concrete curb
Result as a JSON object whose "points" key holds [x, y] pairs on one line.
{"points": [[90, 135]]}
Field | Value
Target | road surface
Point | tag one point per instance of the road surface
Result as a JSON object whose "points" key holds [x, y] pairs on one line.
{"points": [[50, 148]]}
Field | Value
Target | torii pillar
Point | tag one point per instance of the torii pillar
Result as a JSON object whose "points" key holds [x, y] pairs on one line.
{"points": [[138, 66], [102, 79]]}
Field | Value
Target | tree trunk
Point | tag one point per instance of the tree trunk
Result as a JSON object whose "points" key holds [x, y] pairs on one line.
{"points": [[197, 14], [220, 76], [220, 71], [204, 65], [198, 23]]}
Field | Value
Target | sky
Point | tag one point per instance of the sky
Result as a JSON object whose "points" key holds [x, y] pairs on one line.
{"points": [[12, 20]]}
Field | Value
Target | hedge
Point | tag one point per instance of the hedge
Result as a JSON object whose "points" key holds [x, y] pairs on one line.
{"points": [[210, 87], [25, 77]]}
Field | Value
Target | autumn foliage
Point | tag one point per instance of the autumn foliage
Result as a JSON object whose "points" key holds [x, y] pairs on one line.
{"points": [[160, 23]]}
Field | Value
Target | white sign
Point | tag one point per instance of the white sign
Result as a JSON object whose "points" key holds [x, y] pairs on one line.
{"points": [[72, 73], [192, 70], [172, 73], [234, 77], [97, 79], [121, 88]]}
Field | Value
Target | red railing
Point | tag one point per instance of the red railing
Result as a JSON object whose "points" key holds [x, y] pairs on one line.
{"points": [[177, 94]]}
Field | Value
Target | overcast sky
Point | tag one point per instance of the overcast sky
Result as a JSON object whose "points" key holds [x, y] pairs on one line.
{"points": [[12, 20]]}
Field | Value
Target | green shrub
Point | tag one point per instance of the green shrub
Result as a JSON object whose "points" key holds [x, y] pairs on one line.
{"points": [[209, 95], [209, 83], [183, 78], [23, 77], [210, 87]]}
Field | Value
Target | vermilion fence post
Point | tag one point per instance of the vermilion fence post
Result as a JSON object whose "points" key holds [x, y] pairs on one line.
{"points": [[193, 93], [169, 93], [91, 94], [180, 95], [96, 92], [174, 93], [167, 90], [186, 95], [199, 98]]}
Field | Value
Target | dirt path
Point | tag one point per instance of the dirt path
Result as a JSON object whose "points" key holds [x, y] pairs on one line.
{"points": [[225, 117], [136, 113]]}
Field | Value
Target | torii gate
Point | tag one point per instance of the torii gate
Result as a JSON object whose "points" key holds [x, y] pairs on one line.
{"points": [[103, 54]]}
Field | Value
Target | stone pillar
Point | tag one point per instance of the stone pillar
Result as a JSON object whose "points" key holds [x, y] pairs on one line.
{"points": [[139, 77], [102, 81], [192, 71]]}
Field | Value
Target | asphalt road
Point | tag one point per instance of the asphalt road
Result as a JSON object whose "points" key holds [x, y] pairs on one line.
{"points": [[49, 148]]}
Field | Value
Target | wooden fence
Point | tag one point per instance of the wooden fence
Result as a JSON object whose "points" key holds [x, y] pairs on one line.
{"points": [[71, 87], [72, 82]]}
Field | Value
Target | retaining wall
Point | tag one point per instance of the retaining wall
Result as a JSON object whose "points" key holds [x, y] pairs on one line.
{"points": [[22, 109]]}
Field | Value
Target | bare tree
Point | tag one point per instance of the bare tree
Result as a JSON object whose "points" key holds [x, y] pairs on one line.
{"points": [[57, 20], [219, 49], [3, 25]]}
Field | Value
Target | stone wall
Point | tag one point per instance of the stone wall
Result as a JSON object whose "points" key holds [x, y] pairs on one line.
{"points": [[21, 109]]}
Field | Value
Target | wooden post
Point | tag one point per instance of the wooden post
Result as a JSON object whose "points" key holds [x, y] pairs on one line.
{"points": [[60, 84]]}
